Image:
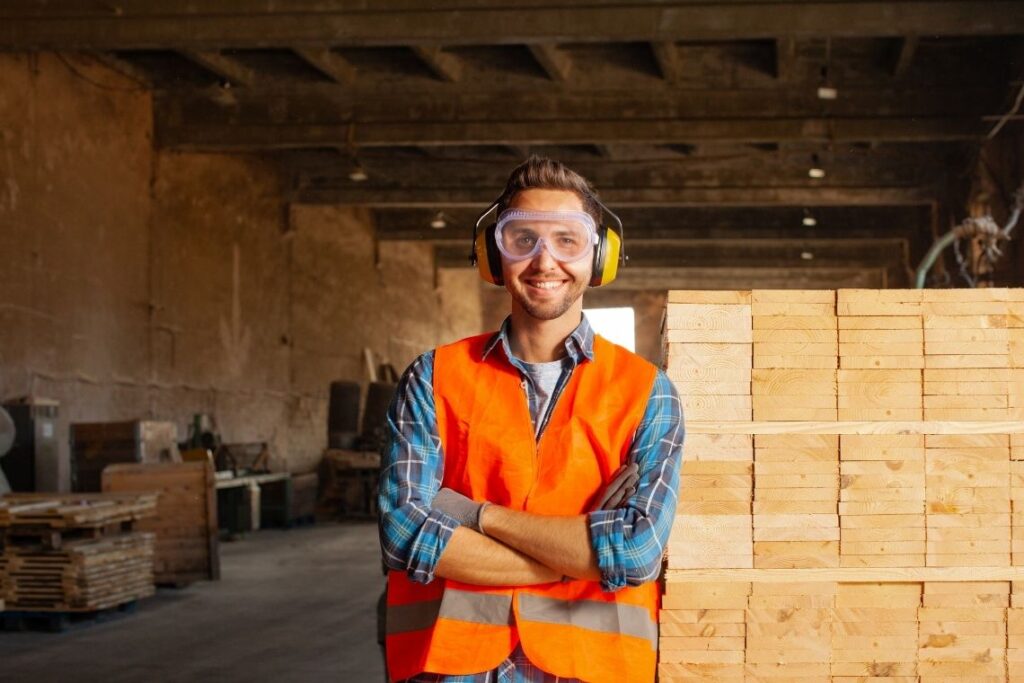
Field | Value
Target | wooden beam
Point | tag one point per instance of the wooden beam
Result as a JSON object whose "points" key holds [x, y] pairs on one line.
{"points": [[226, 68], [427, 100], [666, 54], [756, 277], [445, 65], [739, 253], [904, 56], [226, 136], [785, 59], [329, 63], [465, 197], [556, 63], [182, 24], [904, 168], [695, 223]]}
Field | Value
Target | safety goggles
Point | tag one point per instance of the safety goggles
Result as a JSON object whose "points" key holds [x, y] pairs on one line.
{"points": [[568, 235]]}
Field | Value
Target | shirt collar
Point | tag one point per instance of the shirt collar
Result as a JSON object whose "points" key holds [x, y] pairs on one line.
{"points": [[579, 344]]}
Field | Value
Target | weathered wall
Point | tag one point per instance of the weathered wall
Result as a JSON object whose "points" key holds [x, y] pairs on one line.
{"points": [[138, 284], [74, 184]]}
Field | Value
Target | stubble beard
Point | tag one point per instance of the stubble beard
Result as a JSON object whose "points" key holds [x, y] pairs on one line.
{"points": [[553, 309]]}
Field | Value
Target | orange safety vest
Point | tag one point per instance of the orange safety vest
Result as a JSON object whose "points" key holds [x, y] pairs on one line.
{"points": [[571, 629]]}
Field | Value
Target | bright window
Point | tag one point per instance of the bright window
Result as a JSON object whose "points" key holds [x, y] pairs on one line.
{"points": [[615, 324]]}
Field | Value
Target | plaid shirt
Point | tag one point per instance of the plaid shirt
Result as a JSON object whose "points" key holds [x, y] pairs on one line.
{"points": [[629, 541]]}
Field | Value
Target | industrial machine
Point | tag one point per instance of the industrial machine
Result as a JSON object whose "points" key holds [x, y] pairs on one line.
{"points": [[34, 460], [6, 441]]}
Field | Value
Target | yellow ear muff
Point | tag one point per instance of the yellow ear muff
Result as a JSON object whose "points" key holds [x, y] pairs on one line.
{"points": [[609, 266], [488, 260]]}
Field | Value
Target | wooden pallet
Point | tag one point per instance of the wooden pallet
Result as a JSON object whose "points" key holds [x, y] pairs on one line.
{"points": [[73, 511], [880, 533], [57, 621]]}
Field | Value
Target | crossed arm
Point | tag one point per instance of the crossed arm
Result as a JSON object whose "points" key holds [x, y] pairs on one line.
{"points": [[619, 547]]}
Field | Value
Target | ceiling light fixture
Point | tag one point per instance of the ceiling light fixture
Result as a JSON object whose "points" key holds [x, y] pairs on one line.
{"points": [[807, 255], [826, 91], [438, 222], [816, 170], [357, 173], [809, 220]]}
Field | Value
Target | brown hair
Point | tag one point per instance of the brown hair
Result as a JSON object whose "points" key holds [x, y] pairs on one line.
{"points": [[547, 174]]}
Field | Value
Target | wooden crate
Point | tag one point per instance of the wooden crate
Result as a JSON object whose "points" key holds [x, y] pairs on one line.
{"points": [[95, 445], [185, 524], [884, 518]]}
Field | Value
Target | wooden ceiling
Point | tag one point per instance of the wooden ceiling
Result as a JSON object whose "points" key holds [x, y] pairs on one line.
{"points": [[699, 121]]}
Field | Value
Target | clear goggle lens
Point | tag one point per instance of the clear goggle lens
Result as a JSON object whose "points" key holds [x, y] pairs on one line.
{"points": [[568, 235]]}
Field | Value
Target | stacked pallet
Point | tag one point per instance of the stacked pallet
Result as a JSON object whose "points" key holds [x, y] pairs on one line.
{"points": [[74, 553], [185, 523], [879, 437]]}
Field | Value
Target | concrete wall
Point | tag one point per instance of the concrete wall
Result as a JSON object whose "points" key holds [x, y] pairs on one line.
{"points": [[140, 284]]}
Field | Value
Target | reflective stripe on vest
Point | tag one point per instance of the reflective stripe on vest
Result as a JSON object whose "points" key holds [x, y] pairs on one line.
{"points": [[607, 617], [570, 629], [478, 608]]}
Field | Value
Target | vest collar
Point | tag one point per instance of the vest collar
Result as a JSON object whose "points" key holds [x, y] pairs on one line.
{"points": [[579, 344]]}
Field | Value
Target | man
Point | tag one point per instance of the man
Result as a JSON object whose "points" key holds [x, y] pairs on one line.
{"points": [[530, 484]]}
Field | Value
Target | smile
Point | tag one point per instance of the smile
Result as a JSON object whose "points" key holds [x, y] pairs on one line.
{"points": [[546, 284]]}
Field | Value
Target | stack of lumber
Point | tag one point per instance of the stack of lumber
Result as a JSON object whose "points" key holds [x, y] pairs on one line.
{"points": [[77, 553], [185, 523], [851, 505]]}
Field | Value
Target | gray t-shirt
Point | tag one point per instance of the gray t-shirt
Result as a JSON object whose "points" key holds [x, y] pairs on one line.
{"points": [[543, 378]]}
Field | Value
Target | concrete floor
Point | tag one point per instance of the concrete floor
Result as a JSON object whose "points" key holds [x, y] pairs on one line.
{"points": [[295, 605]]}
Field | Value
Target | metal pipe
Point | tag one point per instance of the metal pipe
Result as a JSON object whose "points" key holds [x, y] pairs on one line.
{"points": [[933, 254]]}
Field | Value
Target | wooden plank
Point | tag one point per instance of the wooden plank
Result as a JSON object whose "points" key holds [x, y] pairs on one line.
{"points": [[701, 296], [904, 575], [948, 427]]}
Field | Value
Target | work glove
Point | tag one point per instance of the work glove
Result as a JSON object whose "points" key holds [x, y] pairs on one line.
{"points": [[622, 486], [458, 506]]}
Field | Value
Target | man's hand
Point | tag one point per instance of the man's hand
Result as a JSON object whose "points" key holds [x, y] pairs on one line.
{"points": [[623, 486], [456, 505]]}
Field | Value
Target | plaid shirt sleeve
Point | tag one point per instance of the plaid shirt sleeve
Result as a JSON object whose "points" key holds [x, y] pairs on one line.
{"points": [[412, 535], [630, 540]]}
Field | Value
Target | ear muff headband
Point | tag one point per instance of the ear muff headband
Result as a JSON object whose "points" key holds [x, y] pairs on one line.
{"points": [[609, 252]]}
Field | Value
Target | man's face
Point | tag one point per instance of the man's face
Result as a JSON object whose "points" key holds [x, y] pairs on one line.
{"points": [[542, 286]]}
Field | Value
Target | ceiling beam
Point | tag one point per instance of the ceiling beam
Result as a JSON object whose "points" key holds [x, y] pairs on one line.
{"points": [[556, 63], [890, 168], [444, 65], [745, 253], [666, 54], [366, 101], [693, 223], [464, 197], [227, 136], [224, 67], [182, 24], [329, 63]]}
